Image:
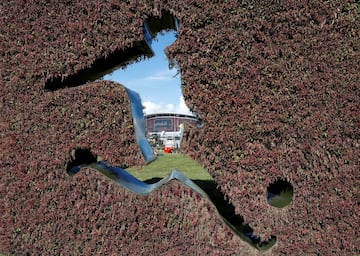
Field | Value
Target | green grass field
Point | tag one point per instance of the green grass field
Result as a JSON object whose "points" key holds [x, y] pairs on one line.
{"points": [[163, 165], [283, 199]]}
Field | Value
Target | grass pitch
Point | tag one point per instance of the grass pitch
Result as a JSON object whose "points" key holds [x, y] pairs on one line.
{"points": [[163, 165]]}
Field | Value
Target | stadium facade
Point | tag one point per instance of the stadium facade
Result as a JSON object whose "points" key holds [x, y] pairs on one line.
{"points": [[168, 127]]}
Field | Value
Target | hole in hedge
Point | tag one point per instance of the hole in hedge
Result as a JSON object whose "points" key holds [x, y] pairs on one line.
{"points": [[280, 193], [79, 157], [121, 58]]}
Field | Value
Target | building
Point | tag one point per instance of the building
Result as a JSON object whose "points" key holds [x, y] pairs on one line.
{"points": [[168, 127]]}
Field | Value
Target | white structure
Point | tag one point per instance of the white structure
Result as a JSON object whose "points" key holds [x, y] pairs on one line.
{"points": [[168, 127]]}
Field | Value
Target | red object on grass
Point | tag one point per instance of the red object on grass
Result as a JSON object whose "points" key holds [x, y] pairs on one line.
{"points": [[167, 150]]}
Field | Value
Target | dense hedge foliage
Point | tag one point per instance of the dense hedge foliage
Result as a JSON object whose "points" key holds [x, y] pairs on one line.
{"points": [[276, 83]]}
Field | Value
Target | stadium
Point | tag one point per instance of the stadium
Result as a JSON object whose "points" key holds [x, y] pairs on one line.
{"points": [[165, 129]]}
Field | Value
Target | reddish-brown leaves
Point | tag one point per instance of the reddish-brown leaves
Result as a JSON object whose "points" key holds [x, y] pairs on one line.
{"points": [[277, 87]]}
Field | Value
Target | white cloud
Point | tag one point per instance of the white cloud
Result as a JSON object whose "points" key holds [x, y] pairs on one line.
{"points": [[183, 108], [154, 107], [164, 75]]}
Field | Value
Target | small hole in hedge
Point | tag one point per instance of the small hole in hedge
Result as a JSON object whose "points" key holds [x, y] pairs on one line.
{"points": [[80, 156], [280, 193]]}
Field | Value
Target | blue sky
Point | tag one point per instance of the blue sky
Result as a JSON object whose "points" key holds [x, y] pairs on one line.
{"points": [[159, 87]]}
